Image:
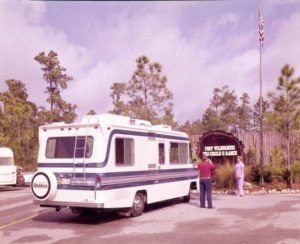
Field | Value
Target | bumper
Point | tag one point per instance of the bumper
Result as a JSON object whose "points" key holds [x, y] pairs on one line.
{"points": [[68, 204]]}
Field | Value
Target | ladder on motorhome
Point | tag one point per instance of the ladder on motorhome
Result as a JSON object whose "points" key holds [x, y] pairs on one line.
{"points": [[80, 146]]}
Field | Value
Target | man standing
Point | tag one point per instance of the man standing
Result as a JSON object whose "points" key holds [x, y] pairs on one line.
{"points": [[239, 176], [205, 172]]}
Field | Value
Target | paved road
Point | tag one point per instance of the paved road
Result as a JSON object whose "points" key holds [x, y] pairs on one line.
{"points": [[251, 219]]}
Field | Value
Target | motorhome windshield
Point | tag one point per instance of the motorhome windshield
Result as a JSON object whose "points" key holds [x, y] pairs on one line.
{"points": [[70, 147], [5, 161]]}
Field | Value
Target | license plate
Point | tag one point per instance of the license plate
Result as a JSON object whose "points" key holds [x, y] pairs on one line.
{"points": [[65, 181]]}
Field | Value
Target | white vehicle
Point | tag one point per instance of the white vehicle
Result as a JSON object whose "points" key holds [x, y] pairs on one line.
{"points": [[10, 174], [111, 162]]}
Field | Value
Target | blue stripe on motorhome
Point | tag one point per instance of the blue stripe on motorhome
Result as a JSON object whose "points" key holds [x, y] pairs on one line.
{"points": [[75, 187], [123, 185], [142, 178], [103, 164], [129, 173]]}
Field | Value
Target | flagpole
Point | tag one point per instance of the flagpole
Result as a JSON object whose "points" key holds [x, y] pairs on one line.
{"points": [[261, 39]]}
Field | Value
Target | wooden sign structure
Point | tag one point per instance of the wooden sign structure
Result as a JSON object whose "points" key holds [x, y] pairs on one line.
{"points": [[220, 146]]}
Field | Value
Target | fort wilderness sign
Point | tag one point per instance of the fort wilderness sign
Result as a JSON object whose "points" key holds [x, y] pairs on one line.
{"points": [[220, 146], [216, 151]]}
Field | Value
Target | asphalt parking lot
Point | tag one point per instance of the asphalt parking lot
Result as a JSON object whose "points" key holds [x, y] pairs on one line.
{"points": [[261, 218]]}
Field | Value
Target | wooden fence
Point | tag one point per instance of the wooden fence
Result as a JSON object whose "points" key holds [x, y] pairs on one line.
{"points": [[251, 141]]}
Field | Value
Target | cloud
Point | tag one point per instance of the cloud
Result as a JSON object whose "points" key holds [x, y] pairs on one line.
{"points": [[283, 49], [190, 63], [198, 53], [24, 37]]}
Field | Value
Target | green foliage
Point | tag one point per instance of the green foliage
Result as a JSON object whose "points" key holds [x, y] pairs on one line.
{"points": [[287, 176], [274, 172], [58, 80], [275, 169], [295, 148], [286, 104], [18, 124], [118, 91], [211, 121], [250, 156], [295, 171], [224, 103], [225, 112], [192, 128], [276, 158], [244, 113], [224, 176], [20, 118], [256, 114], [255, 173], [145, 96]]}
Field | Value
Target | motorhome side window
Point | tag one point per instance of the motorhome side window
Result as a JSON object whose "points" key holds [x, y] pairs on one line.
{"points": [[178, 153], [124, 148], [69, 147], [161, 153]]}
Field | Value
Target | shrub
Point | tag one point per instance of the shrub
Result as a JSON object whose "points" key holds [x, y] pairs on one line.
{"points": [[295, 171], [286, 175], [224, 176], [250, 156], [275, 171], [255, 173]]}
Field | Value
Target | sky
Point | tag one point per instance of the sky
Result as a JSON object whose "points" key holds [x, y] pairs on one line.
{"points": [[201, 45]]}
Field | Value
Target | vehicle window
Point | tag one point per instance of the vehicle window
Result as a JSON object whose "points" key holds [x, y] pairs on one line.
{"points": [[178, 153], [161, 153], [6, 161], [69, 147], [124, 148]]}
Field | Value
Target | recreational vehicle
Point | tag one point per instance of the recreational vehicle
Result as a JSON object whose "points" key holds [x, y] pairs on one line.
{"points": [[111, 162], [10, 174]]}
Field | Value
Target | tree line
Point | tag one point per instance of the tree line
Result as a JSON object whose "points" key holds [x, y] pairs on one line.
{"points": [[20, 118], [144, 96]]}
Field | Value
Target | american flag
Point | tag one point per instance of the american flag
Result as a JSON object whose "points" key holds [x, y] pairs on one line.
{"points": [[261, 30]]}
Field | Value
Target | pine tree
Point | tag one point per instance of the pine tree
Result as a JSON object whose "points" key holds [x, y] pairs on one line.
{"points": [[222, 110], [211, 121], [244, 113], [146, 95], [18, 125], [57, 80], [286, 104]]}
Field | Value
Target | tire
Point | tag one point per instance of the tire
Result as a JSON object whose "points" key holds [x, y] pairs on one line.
{"points": [[187, 198], [138, 205], [44, 185]]}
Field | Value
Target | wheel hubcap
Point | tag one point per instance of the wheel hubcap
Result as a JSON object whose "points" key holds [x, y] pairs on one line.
{"points": [[137, 203]]}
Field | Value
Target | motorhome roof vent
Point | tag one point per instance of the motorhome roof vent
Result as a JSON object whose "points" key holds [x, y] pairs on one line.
{"points": [[164, 127], [132, 121]]}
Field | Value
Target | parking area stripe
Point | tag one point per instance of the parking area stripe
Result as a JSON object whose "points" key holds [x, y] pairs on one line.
{"points": [[24, 219]]}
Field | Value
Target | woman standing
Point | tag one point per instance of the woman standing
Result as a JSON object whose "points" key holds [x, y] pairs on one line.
{"points": [[239, 176]]}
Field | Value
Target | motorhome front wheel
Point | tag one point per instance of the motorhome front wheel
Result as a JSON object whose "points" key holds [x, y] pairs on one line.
{"points": [[44, 185]]}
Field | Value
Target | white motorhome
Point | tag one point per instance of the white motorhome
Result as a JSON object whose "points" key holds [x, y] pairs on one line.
{"points": [[112, 162], [10, 174]]}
